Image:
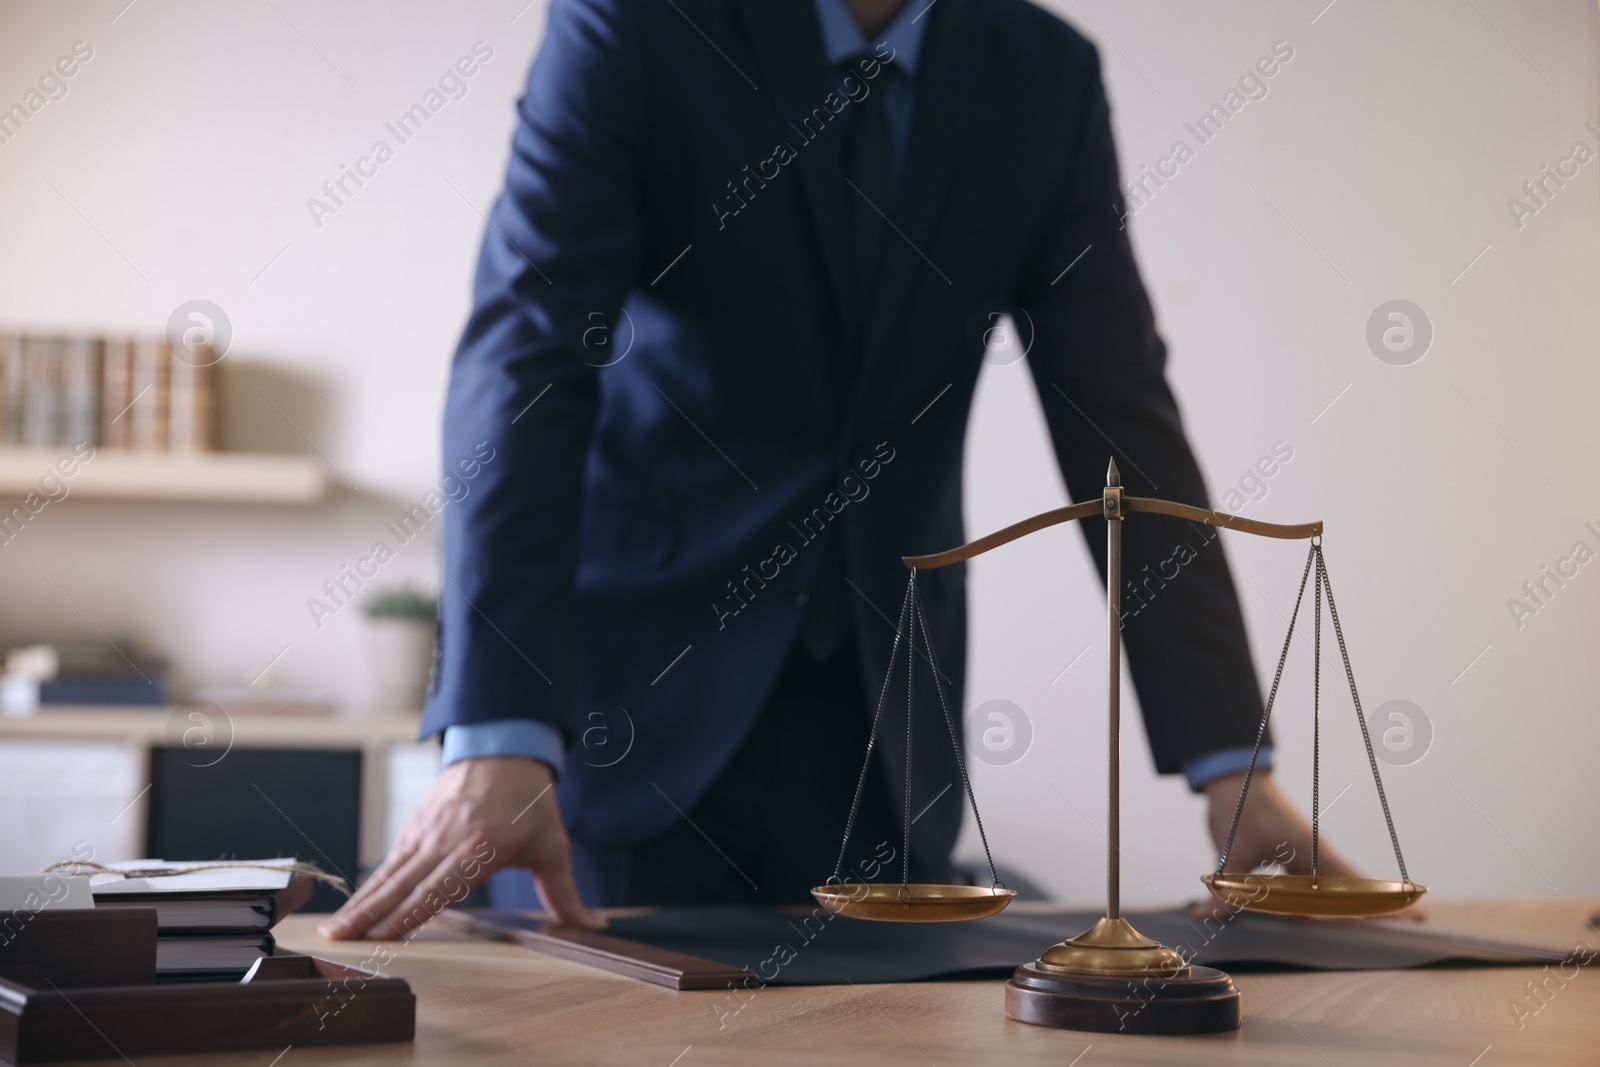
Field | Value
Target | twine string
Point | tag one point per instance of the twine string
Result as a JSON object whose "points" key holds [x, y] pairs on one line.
{"points": [[309, 870]]}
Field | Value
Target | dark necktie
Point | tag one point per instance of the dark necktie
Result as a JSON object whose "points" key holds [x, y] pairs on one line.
{"points": [[870, 171], [869, 168]]}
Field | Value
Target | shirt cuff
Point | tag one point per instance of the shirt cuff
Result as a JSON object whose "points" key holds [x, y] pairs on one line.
{"points": [[1214, 764], [505, 737]]}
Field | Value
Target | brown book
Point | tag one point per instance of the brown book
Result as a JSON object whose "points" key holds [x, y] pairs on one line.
{"points": [[152, 379], [11, 389], [80, 391], [660, 966], [191, 411], [116, 393], [41, 392]]}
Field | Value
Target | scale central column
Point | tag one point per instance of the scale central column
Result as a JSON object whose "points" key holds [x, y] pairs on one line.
{"points": [[1111, 978], [1112, 947], [1112, 502]]}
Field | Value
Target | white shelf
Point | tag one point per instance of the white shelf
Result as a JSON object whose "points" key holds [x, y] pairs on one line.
{"points": [[165, 724], [210, 477]]}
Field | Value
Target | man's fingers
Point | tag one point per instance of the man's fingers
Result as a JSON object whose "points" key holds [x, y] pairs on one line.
{"points": [[559, 892], [403, 851], [377, 898], [445, 884], [463, 830]]}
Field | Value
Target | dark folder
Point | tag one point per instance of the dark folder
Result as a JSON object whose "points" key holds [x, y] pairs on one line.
{"points": [[713, 947]]}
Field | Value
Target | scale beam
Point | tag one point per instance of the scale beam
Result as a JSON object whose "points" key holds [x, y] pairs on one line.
{"points": [[1095, 508], [1011, 533], [1295, 532]]}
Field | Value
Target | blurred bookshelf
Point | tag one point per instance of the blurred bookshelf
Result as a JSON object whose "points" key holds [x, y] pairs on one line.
{"points": [[130, 418], [214, 477]]}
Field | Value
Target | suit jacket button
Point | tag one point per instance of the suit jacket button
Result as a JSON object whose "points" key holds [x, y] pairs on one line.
{"points": [[799, 597]]}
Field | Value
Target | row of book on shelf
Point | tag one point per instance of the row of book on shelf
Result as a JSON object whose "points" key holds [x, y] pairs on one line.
{"points": [[113, 392]]}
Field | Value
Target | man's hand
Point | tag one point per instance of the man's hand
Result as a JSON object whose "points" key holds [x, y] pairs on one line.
{"points": [[481, 815], [1270, 830]]}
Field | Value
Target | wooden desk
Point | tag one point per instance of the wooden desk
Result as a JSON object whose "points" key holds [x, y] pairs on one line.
{"points": [[493, 1004]]}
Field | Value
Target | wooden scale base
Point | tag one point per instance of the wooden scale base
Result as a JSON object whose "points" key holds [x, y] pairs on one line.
{"points": [[1196, 1000], [1113, 979]]}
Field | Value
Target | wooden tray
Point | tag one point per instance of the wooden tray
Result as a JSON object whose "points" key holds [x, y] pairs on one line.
{"points": [[78, 947], [285, 1000]]}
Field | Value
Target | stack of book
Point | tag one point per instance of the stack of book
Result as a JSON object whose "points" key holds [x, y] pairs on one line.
{"points": [[80, 672], [212, 925], [114, 392]]}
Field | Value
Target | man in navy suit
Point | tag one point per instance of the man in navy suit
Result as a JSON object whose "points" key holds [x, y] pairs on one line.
{"points": [[727, 321]]}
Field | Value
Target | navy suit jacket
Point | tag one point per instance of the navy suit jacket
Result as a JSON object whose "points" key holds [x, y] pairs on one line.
{"points": [[662, 291]]}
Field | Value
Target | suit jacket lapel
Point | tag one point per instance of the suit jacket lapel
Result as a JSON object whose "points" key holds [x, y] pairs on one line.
{"points": [[948, 82], [788, 45]]}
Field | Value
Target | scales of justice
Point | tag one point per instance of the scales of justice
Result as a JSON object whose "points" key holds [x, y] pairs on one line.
{"points": [[1111, 977]]}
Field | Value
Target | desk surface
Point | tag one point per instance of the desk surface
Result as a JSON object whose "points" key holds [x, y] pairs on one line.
{"points": [[494, 1004]]}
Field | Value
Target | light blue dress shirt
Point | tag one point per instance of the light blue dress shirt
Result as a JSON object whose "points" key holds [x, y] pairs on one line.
{"points": [[900, 44], [841, 41]]}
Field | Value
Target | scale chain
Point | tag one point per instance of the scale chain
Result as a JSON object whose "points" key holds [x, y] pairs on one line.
{"points": [[1366, 736], [1266, 715], [872, 737], [955, 742]]}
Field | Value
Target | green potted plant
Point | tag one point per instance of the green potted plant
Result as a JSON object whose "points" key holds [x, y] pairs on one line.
{"points": [[402, 629]]}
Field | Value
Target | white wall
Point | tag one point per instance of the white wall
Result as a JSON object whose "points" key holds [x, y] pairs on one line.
{"points": [[1381, 159], [179, 164]]}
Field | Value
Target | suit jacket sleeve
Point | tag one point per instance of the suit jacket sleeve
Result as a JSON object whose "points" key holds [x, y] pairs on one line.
{"points": [[1099, 366], [562, 241]]}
